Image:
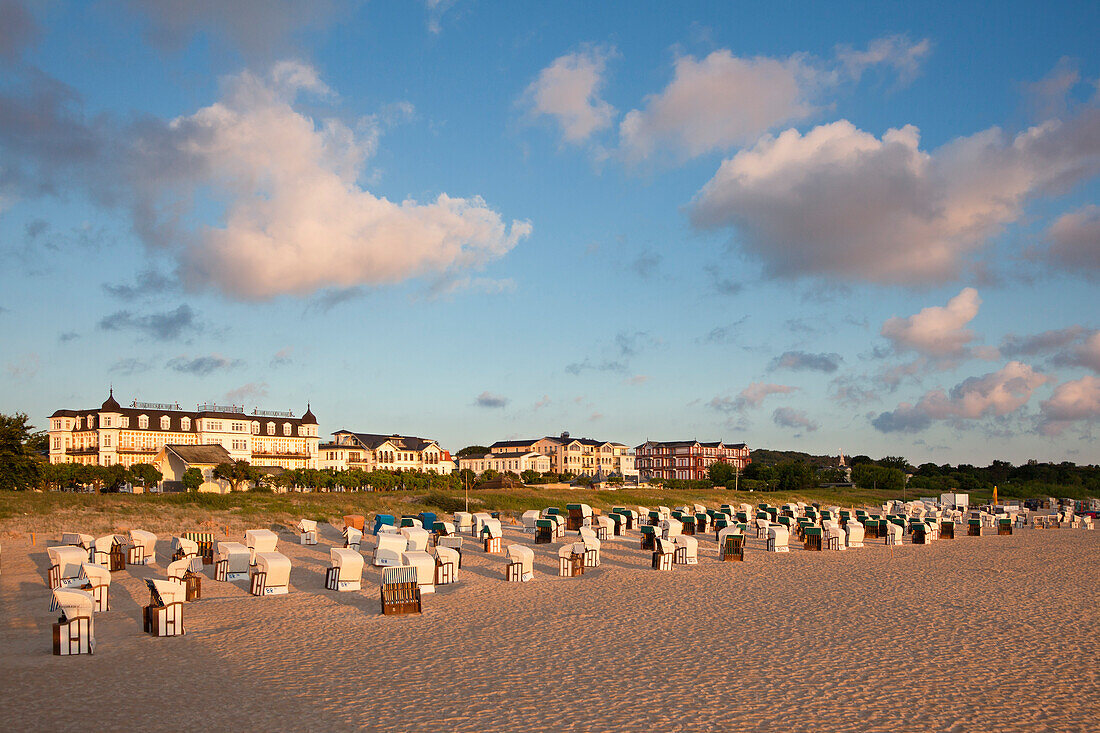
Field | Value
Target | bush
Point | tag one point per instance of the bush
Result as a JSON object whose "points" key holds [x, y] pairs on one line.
{"points": [[444, 503]]}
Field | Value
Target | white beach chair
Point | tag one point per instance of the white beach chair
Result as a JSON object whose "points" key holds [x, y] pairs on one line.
{"points": [[464, 521], [1087, 522], [778, 536], [853, 531], [762, 527], [529, 518], [603, 527], [591, 547], [389, 549], [665, 512], [447, 560], [559, 524], [834, 535], [270, 574], [671, 528], [571, 560], [260, 540], [96, 579], [730, 548], [187, 549], [687, 550], [893, 534], [307, 531], [417, 538], [77, 539], [352, 538], [521, 564], [480, 518], [65, 564], [425, 569], [664, 553], [101, 550], [232, 561], [346, 570], [143, 547], [490, 534], [73, 633], [164, 614]]}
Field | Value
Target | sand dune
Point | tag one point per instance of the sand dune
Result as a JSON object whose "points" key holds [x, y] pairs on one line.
{"points": [[991, 634]]}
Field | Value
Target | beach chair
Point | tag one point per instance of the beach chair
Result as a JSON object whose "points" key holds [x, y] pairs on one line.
{"points": [[447, 562], [521, 564], [73, 633], [591, 547], [558, 521], [918, 533], [811, 538], [260, 540], [143, 547], [184, 548], [1004, 526], [671, 528], [664, 553], [947, 529], [731, 544], [382, 520], [443, 529], [490, 535], [410, 521], [687, 550], [205, 542], [763, 525], [389, 549], [102, 548], [853, 534], [974, 527], [603, 527], [164, 614], [648, 535], [778, 537], [463, 521], [307, 531], [528, 518], [618, 524], [571, 560], [417, 539], [358, 521], [1087, 522], [400, 591], [345, 572], [270, 574], [479, 521], [65, 564], [425, 569], [544, 531], [232, 561], [834, 536], [182, 572], [353, 538], [96, 579], [894, 534], [427, 520], [77, 539]]}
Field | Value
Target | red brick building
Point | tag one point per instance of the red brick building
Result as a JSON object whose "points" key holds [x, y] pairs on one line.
{"points": [[687, 459]]}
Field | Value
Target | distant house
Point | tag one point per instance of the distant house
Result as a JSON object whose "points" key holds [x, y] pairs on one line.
{"points": [[378, 451], [174, 460], [687, 459], [580, 456], [514, 461]]}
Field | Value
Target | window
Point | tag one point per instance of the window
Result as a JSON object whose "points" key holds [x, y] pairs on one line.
{"points": [[165, 422], [255, 428], [237, 427], [91, 421], [106, 422], [57, 443], [125, 422], [286, 428], [107, 440], [143, 421], [185, 423], [240, 445], [271, 428]]}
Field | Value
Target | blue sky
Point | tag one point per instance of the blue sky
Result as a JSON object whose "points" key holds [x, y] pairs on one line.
{"points": [[866, 228]]}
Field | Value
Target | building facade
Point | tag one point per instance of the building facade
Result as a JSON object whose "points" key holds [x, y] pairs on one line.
{"points": [[687, 459], [114, 434], [502, 462], [173, 461], [375, 451], [576, 455]]}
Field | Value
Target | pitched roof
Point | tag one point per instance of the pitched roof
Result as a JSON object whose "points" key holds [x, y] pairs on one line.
{"points": [[514, 443], [210, 455], [401, 442]]}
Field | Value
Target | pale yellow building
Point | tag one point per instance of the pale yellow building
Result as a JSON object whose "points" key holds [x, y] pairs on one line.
{"points": [[576, 455], [376, 451], [516, 461]]}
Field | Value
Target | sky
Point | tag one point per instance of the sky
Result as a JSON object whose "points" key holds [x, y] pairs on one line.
{"points": [[864, 227]]}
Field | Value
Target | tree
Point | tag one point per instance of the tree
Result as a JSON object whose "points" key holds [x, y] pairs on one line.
{"points": [[113, 477], [897, 462], [530, 477], [871, 476], [192, 479], [20, 465], [144, 474], [236, 473], [472, 450], [721, 473]]}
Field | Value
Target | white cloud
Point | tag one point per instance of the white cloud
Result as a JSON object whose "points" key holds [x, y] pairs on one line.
{"points": [[296, 221], [936, 331], [995, 394], [1088, 353], [569, 91], [751, 396], [1071, 402], [722, 100], [788, 417], [1075, 241], [841, 202], [717, 102]]}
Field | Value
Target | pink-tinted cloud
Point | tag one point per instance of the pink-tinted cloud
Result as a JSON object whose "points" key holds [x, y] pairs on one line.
{"points": [[1074, 401], [568, 90], [937, 331]]}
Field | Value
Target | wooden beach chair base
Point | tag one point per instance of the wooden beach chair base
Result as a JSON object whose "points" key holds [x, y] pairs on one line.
{"points": [[163, 620], [73, 636], [400, 596]]}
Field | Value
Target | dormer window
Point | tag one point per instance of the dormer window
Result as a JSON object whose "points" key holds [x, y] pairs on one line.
{"points": [[165, 422], [255, 428], [143, 422], [271, 428], [91, 421], [124, 421], [185, 423], [286, 428]]}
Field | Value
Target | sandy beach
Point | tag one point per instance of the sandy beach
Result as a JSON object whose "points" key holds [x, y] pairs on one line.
{"points": [[975, 634]]}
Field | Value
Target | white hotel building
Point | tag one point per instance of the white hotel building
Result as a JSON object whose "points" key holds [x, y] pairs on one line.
{"points": [[114, 434]]}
